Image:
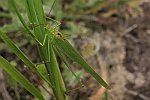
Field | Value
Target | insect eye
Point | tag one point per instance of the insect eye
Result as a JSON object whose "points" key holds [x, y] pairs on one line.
{"points": [[58, 34]]}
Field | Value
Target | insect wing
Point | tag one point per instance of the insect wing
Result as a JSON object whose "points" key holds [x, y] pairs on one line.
{"points": [[64, 46]]}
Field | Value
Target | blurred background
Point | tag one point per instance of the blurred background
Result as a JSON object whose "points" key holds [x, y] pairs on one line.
{"points": [[112, 35]]}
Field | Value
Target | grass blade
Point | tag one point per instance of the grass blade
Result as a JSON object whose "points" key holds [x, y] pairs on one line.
{"points": [[13, 3], [36, 15], [20, 54], [17, 51], [19, 78]]}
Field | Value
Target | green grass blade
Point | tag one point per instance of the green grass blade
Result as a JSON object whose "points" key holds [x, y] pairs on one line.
{"points": [[13, 3], [19, 78], [64, 46], [37, 18], [17, 51], [20, 54]]}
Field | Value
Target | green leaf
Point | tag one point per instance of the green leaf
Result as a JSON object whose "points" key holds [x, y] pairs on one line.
{"points": [[19, 78]]}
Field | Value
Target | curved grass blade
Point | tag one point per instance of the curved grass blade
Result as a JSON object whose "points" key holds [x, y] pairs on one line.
{"points": [[63, 45], [21, 55], [13, 3], [19, 78]]}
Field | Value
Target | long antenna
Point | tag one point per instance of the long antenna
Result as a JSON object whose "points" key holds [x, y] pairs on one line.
{"points": [[51, 8]]}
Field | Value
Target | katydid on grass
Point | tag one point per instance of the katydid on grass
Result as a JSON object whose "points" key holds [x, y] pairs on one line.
{"points": [[57, 40], [62, 45]]}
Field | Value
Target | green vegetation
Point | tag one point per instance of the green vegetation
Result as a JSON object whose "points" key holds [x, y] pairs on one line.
{"points": [[47, 39], [51, 42]]}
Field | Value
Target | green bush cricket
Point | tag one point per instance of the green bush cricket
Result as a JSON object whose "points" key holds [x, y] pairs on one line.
{"points": [[62, 45], [54, 41], [58, 42]]}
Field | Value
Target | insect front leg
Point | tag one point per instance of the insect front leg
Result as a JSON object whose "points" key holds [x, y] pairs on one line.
{"points": [[35, 38]]}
